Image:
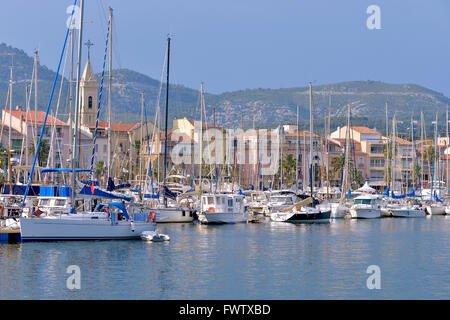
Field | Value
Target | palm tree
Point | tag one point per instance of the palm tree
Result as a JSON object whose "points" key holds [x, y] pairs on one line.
{"points": [[100, 169], [289, 167], [336, 167], [44, 151]]}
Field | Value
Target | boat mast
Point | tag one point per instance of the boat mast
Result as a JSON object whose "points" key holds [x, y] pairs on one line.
{"points": [[422, 147], [281, 170], [393, 166], [10, 102], [36, 53], [201, 141], [327, 148], [413, 154], [386, 160], [345, 184], [311, 165], [140, 145], [446, 151], [77, 106], [10, 122], [109, 92], [304, 163], [298, 152], [166, 119]]}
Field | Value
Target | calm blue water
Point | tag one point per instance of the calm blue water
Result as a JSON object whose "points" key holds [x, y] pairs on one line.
{"points": [[247, 261]]}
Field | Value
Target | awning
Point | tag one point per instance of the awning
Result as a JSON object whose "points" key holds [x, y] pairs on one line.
{"points": [[63, 170]]}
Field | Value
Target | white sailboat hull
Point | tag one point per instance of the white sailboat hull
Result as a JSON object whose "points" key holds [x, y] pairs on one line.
{"points": [[365, 213], [407, 213], [436, 210], [338, 211], [174, 215], [222, 217], [39, 229]]}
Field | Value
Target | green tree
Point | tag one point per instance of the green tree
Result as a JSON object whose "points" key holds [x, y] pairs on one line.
{"points": [[289, 167], [336, 167], [44, 151], [100, 169]]}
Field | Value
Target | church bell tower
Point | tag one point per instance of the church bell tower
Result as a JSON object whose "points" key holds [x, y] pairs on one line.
{"points": [[88, 96]]}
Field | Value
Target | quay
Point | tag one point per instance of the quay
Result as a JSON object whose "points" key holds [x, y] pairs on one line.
{"points": [[10, 235]]}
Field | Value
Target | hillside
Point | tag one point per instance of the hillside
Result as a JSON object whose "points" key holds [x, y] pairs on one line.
{"points": [[264, 107]]}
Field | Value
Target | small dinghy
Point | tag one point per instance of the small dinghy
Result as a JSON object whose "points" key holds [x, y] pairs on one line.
{"points": [[154, 236]]}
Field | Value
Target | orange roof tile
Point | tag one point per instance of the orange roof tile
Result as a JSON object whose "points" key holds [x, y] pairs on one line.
{"points": [[117, 126], [32, 115], [365, 130], [401, 141]]}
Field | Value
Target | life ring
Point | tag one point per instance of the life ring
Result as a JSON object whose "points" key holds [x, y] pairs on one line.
{"points": [[151, 216], [210, 209]]}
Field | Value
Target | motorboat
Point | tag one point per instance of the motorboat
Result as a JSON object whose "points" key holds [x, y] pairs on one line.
{"points": [[257, 201], [280, 200], [366, 207], [154, 236], [222, 208], [302, 212]]}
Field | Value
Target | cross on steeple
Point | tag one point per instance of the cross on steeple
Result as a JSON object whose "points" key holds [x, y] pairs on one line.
{"points": [[89, 44]]}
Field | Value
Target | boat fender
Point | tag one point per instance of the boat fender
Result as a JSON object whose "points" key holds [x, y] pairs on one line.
{"points": [[2, 208], [151, 216], [132, 226], [210, 209]]}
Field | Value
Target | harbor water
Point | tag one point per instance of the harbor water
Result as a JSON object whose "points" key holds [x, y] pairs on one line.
{"points": [[243, 261]]}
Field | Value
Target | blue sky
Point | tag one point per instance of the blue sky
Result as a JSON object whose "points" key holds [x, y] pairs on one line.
{"points": [[239, 44]]}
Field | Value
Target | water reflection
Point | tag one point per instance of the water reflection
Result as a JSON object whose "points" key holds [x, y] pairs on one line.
{"points": [[242, 261]]}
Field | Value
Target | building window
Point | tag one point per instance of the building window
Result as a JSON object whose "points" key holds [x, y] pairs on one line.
{"points": [[90, 102], [16, 144]]}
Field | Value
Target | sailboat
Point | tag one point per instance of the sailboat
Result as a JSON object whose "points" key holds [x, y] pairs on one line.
{"points": [[108, 220], [218, 206], [307, 210], [340, 210], [436, 207], [169, 210]]}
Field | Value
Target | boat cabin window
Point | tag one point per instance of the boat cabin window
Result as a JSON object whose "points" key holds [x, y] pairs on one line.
{"points": [[363, 201], [230, 202], [220, 200], [204, 200], [258, 197], [210, 200], [44, 202], [60, 202]]}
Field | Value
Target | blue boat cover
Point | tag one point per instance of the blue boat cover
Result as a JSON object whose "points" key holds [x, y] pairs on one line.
{"points": [[386, 192], [243, 194], [398, 197], [102, 194], [118, 205], [63, 170]]}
